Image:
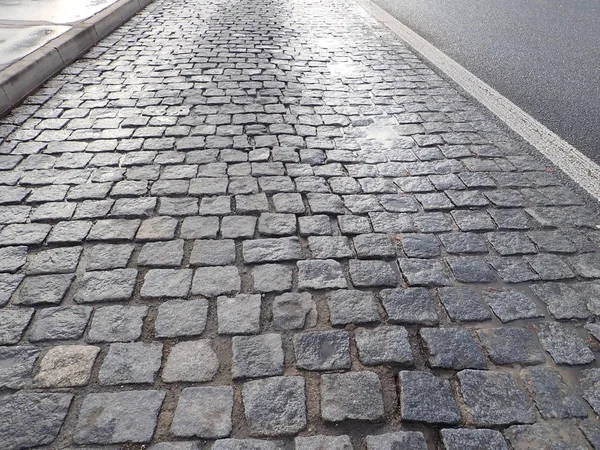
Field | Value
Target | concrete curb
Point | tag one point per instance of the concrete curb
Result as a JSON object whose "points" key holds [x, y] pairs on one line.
{"points": [[27, 74]]}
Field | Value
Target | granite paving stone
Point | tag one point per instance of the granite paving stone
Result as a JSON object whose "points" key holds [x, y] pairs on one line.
{"points": [[590, 382], [563, 302], [107, 256], [279, 219], [468, 439], [452, 348], [320, 274], [12, 258], [510, 304], [424, 272], [427, 398], [8, 285], [16, 365], [117, 323], [398, 440], [247, 444], [177, 318], [257, 356], [213, 252], [32, 419], [463, 304], [412, 305], [275, 406], [511, 345], [292, 311], [272, 277], [322, 350], [161, 254], [352, 306], [135, 362], [387, 344], [66, 365], [101, 286], [13, 323], [553, 398], [239, 314], [43, 289], [60, 323], [132, 416], [214, 281], [370, 273], [191, 361], [545, 435], [323, 442], [563, 344], [494, 398], [204, 412], [352, 395]]}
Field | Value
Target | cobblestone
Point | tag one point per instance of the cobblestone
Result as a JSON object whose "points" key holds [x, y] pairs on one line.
{"points": [[452, 348], [354, 395], [427, 398], [245, 206]]}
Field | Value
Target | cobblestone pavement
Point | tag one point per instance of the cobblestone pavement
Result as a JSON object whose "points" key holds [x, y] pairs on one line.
{"points": [[266, 224]]}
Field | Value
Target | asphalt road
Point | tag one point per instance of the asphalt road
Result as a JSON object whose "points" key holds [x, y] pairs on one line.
{"points": [[543, 55]]}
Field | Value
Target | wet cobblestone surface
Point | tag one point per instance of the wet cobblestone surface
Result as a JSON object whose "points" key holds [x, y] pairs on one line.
{"points": [[267, 224]]}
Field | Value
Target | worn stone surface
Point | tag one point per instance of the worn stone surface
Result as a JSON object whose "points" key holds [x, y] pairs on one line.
{"points": [[427, 398], [552, 396], [239, 314], [546, 435], [463, 304], [353, 395], [213, 281], [67, 365], [452, 348], [367, 273], [275, 406], [257, 356], [16, 365], [181, 318], [465, 439], [115, 284], [352, 306], [44, 289], [135, 362], [191, 361], [322, 442], [247, 444], [13, 323], [509, 304], [511, 345], [384, 345], [494, 398], [320, 274], [563, 344], [322, 350], [413, 305], [293, 311], [590, 386], [204, 412], [166, 283], [32, 419], [63, 322], [399, 440], [272, 278], [119, 417], [117, 323]]}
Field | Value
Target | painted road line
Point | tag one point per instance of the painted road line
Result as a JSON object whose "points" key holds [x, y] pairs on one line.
{"points": [[567, 158]]}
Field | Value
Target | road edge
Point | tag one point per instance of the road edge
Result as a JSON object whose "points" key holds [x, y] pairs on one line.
{"points": [[578, 167], [21, 78]]}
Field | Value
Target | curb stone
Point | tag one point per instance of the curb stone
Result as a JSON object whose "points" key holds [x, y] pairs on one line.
{"points": [[21, 78]]}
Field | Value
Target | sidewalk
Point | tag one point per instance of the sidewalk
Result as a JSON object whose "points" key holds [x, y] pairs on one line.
{"points": [[266, 224]]}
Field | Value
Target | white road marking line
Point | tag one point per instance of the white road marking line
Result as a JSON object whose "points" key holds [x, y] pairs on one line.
{"points": [[567, 158]]}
